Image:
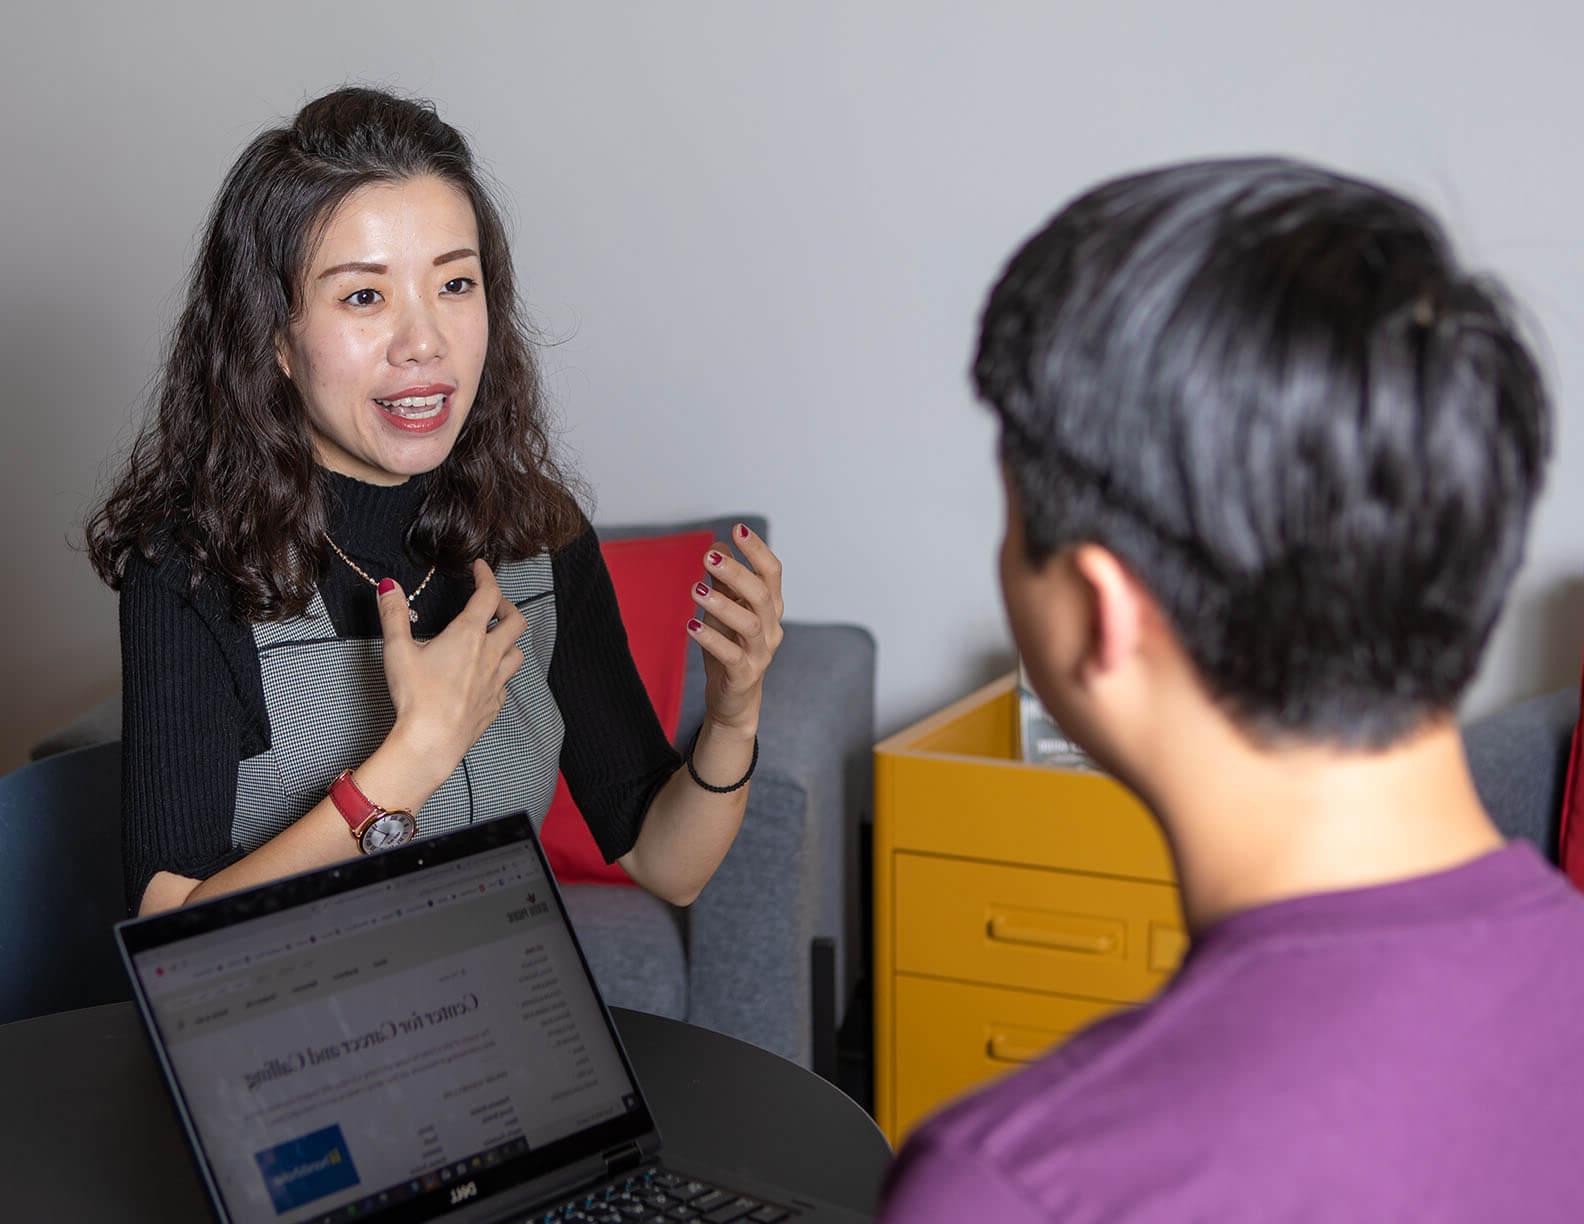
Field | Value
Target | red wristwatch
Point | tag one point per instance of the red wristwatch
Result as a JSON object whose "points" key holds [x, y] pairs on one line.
{"points": [[373, 827]]}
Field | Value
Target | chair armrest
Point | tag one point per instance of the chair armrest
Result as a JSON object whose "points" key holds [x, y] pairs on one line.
{"points": [[1519, 760], [749, 931], [792, 873]]}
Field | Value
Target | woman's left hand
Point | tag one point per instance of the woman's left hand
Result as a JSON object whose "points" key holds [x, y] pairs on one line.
{"points": [[740, 630]]}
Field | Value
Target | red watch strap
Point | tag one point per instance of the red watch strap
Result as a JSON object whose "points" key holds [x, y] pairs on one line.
{"points": [[355, 807]]}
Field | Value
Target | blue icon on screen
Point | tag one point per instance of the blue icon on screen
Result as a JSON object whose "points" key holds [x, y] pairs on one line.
{"points": [[306, 1168]]}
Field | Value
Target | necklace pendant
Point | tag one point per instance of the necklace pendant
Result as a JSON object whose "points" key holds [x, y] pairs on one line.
{"points": [[412, 616]]}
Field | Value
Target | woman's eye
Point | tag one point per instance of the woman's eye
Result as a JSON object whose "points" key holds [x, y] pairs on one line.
{"points": [[460, 280], [357, 298]]}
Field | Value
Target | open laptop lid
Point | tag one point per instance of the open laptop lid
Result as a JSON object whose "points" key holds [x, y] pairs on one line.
{"points": [[399, 1037]]}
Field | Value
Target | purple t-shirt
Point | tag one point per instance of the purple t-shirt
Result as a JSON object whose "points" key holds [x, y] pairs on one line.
{"points": [[1409, 1051]]}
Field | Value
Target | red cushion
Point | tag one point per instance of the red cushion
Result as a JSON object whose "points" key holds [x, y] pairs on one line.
{"points": [[1570, 850], [652, 576]]}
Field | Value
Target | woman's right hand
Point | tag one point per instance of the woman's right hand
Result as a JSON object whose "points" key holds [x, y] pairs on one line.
{"points": [[448, 690]]}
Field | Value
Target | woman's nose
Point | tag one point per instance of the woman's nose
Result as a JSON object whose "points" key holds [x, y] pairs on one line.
{"points": [[418, 336]]}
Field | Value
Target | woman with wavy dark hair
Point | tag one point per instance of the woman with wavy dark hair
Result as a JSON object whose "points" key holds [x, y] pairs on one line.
{"points": [[357, 593]]}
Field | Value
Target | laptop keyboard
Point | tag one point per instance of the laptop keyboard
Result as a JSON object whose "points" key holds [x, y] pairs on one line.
{"points": [[658, 1196]]}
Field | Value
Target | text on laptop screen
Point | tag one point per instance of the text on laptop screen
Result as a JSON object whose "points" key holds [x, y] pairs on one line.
{"points": [[365, 1049]]}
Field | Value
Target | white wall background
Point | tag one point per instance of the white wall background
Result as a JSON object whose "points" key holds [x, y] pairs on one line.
{"points": [[763, 233]]}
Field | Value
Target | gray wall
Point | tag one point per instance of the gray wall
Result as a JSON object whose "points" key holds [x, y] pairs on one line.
{"points": [[762, 234]]}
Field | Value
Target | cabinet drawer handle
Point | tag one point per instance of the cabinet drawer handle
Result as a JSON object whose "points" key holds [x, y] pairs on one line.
{"points": [[1004, 1048], [1009, 930]]}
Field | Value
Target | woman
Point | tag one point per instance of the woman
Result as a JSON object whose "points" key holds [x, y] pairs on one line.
{"points": [[342, 545]]}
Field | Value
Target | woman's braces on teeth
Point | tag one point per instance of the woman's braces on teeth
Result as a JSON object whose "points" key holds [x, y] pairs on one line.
{"points": [[414, 407]]}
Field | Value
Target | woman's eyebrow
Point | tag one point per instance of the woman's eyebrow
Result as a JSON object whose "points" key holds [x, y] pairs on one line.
{"points": [[380, 269]]}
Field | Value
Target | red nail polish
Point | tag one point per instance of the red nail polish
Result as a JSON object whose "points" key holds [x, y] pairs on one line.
{"points": [[701, 591], [715, 558], [742, 531], [386, 586], [695, 625]]}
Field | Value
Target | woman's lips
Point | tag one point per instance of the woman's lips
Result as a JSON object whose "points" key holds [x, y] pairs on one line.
{"points": [[407, 422]]}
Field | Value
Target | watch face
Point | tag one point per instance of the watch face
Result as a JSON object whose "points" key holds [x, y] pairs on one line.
{"points": [[390, 830]]}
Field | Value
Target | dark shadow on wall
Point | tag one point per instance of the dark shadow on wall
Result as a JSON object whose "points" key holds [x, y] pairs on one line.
{"points": [[981, 667], [69, 375], [1540, 645], [1561, 634]]}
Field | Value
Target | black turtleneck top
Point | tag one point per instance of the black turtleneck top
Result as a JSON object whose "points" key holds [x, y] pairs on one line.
{"points": [[193, 700]]}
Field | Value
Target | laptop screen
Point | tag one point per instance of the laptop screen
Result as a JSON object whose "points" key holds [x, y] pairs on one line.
{"points": [[388, 1039]]}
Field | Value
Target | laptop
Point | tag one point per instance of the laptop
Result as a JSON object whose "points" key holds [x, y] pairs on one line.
{"points": [[413, 1035]]}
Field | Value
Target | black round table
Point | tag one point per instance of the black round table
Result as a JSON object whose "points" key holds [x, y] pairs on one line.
{"points": [[90, 1132]]}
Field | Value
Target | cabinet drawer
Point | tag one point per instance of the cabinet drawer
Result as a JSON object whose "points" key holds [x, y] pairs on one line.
{"points": [[1035, 928], [951, 1037]]}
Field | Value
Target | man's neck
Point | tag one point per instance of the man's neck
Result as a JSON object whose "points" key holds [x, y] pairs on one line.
{"points": [[1249, 826]]}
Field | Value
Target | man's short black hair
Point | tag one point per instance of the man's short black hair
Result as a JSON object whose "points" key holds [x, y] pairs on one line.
{"points": [[1270, 391]]}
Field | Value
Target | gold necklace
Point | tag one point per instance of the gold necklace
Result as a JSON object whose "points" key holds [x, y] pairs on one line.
{"points": [[358, 570]]}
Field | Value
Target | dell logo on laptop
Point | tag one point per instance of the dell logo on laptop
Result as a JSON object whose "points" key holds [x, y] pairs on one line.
{"points": [[461, 1194]]}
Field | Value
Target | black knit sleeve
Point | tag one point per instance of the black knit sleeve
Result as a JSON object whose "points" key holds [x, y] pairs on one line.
{"points": [[615, 755], [182, 729]]}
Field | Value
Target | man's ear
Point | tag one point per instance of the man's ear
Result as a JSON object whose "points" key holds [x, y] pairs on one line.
{"points": [[1119, 609]]}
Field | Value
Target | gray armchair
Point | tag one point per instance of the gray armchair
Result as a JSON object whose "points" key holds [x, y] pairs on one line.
{"points": [[740, 959]]}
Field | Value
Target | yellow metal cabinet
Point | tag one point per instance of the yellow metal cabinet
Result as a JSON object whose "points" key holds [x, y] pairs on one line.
{"points": [[1014, 904]]}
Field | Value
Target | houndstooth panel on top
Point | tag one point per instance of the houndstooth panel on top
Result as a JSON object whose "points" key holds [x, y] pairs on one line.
{"points": [[329, 708]]}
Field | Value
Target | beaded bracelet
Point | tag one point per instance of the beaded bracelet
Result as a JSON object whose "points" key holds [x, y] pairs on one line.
{"points": [[721, 790]]}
